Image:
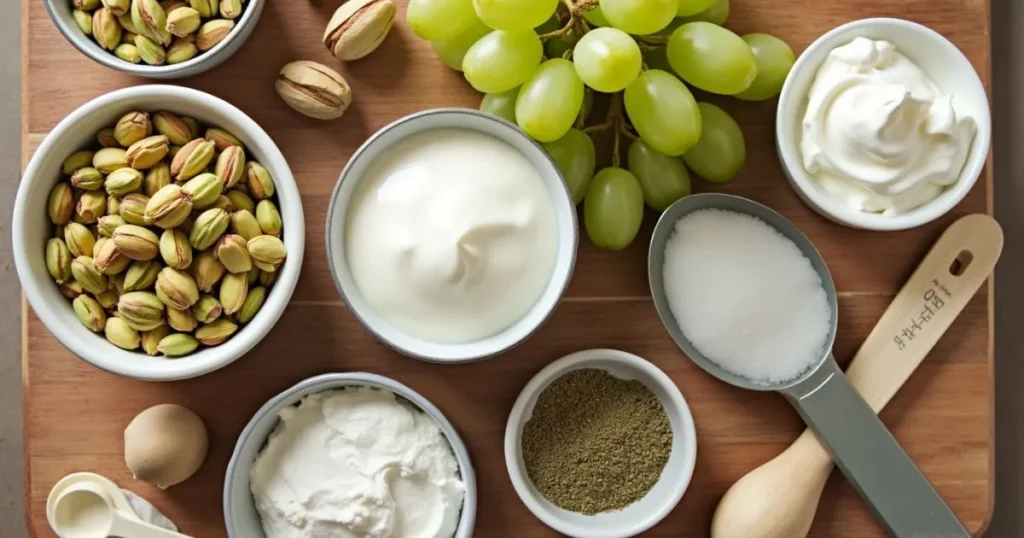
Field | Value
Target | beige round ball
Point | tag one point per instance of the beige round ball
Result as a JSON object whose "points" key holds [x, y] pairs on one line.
{"points": [[165, 445]]}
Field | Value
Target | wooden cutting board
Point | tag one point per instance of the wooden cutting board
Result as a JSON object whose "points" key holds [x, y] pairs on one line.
{"points": [[74, 414]]}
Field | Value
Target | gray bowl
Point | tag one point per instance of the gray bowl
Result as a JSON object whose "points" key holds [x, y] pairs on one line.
{"points": [[240, 515], [60, 11]]}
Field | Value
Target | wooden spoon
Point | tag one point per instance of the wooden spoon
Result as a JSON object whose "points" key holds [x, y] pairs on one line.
{"points": [[779, 498]]}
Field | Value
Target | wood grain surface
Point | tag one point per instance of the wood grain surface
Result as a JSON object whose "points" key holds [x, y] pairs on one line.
{"points": [[75, 414]]}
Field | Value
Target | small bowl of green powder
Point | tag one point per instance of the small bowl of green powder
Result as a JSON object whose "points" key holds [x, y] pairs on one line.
{"points": [[600, 444]]}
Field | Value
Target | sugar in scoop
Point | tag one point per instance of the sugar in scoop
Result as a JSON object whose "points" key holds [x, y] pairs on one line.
{"points": [[745, 296]]}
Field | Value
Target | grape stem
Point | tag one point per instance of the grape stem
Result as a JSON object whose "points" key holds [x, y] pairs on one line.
{"points": [[617, 119], [653, 41], [560, 32]]}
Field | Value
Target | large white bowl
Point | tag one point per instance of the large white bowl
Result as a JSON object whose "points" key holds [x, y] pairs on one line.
{"points": [[947, 67], [31, 228], [240, 514], [565, 222]]}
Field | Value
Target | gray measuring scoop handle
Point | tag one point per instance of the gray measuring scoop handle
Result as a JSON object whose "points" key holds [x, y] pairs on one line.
{"points": [[870, 457]]}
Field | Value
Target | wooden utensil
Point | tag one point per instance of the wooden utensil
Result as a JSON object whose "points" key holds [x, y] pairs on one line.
{"points": [[779, 498]]}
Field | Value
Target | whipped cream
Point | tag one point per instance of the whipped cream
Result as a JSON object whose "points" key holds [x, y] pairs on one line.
{"points": [[357, 463], [878, 134]]}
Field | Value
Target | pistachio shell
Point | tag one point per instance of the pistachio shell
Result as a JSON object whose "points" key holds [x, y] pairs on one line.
{"points": [[60, 205], [169, 207], [58, 260], [146, 153], [213, 32], [136, 242], [151, 339], [173, 127], [77, 160], [85, 272], [175, 249], [208, 228], [107, 160], [91, 206], [268, 217], [142, 310], [79, 239], [109, 260], [231, 165], [120, 334], [216, 333], [233, 290], [182, 320], [176, 345], [132, 127], [133, 208], [358, 27], [314, 90], [90, 313], [253, 302], [207, 309], [207, 271], [192, 159], [176, 289]]}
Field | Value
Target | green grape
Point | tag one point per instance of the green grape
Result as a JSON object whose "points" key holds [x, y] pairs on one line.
{"points": [[514, 14], [716, 14], [453, 51], [500, 60], [721, 151], [663, 111], [502, 105], [774, 60], [639, 17], [595, 16], [663, 179], [613, 208], [607, 59], [439, 20], [712, 58], [550, 101], [556, 48], [575, 156], [693, 7]]}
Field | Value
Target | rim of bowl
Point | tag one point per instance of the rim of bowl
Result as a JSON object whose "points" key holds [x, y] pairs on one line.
{"points": [[578, 360], [108, 357], [379, 334], [791, 105], [209, 59], [335, 381]]}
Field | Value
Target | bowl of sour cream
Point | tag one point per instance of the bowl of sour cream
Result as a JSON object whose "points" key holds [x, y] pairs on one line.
{"points": [[451, 235], [883, 124]]}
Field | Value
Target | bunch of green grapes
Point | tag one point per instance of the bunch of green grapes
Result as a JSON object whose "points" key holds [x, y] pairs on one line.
{"points": [[538, 62]]}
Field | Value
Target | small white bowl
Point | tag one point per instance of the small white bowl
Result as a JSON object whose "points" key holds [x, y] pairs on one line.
{"points": [[944, 64], [337, 220], [240, 514], [31, 228], [652, 507], [61, 13]]}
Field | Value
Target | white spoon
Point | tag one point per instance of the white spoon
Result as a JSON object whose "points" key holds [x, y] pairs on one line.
{"points": [[85, 510]]}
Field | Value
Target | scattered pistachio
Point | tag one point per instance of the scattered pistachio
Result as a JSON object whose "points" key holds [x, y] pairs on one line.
{"points": [[358, 27], [314, 90]]}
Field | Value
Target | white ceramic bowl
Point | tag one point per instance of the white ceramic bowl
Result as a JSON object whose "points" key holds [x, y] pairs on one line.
{"points": [[652, 507], [61, 13], [947, 67], [240, 515], [31, 228], [337, 218]]}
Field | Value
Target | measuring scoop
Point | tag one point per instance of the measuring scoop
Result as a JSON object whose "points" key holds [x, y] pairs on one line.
{"points": [[86, 510], [869, 456]]}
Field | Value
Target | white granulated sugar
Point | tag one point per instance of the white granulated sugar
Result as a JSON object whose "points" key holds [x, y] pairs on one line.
{"points": [[745, 296]]}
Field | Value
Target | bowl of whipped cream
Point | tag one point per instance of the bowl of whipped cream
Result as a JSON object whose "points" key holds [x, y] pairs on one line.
{"points": [[351, 455], [883, 124], [451, 235]]}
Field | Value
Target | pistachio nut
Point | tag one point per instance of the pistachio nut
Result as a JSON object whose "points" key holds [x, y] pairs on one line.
{"points": [[268, 217], [173, 127], [169, 207], [222, 139], [213, 32], [253, 302], [207, 309], [58, 259], [223, 202], [176, 289], [71, 289], [116, 284], [192, 159], [175, 249], [183, 21], [91, 206], [123, 181], [151, 21], [181, 320], [146, 153], [151, 339], [106, 225], [208, 228], [107, 160], [141, 310], [61, 203], [267, 252], [89, 312], [127, 38], [120, 334], [87, 178], [181, 50], [254, 275], [193, 126], [75, 161], [176, 345], [97, 247], [132, 127], [267, 278], [358, 27], [136, 242], [203, 189], [172, 5], [206, 8], [108, 299], [241, 201], [78, 239], [133, 208], [86, 274], [141, 276], [314, 90], [83, 20], [233, 289], [230, 166], [118, 7], [113, 205], [105, 137], [106, 29], [230, 9], [150, 51], [156, 178], [259, 182], [245, 225], [233, 251], [128, 52], [109, 260], [207, 271], [216, 332]]}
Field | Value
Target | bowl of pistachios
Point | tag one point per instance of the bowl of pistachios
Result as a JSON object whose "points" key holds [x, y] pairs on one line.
{"points": [[156, 39], [158, 232]]}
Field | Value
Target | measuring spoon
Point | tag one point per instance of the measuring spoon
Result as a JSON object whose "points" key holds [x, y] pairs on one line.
{"points": [[869, 456], [779, 498], [85, 510]]}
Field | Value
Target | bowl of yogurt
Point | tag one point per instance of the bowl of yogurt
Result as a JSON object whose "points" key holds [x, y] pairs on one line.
{"points": [[351, 454], [883, 124], [451, 235]]}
